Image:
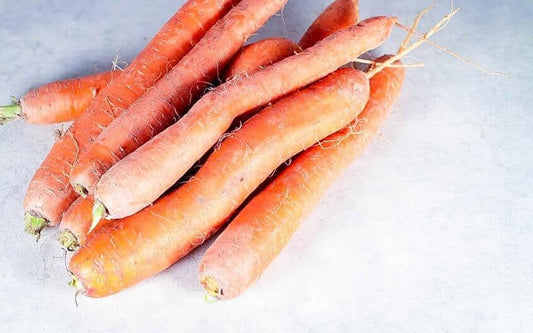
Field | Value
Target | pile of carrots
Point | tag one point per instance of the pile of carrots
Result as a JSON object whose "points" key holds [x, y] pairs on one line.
{"points": [[196, 133]]}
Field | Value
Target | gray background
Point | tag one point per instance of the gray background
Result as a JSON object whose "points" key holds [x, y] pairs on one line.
{"points": [[429, 231]]}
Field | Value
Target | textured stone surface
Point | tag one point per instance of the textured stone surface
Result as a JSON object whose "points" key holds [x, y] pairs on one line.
{"points": [[431, 230]]}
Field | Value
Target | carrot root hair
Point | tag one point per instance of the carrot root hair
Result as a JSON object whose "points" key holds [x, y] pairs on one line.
{"points": [[68, 240]]}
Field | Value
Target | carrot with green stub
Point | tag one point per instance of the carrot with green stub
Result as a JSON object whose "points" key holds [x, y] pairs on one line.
{"points": [[57, 102], [161, 105], [265, 225], [144, 175], [124, 252], [49, 193], [339, 15]]}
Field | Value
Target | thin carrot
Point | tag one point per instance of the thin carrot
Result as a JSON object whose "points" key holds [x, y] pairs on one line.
{"points": [[160, 106], [49, 193], [260, 231], [75, 223], [144, 175], [259, 55], [339, 15], [57, 102], [124, 252]]}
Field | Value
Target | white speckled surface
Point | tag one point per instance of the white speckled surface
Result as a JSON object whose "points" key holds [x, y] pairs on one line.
{"points": [[430, 231]]}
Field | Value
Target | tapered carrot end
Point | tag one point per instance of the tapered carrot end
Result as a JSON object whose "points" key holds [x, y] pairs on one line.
{"points": [[9, 113], [68, 240], [98, 213], [34, 225], [212, 287]]}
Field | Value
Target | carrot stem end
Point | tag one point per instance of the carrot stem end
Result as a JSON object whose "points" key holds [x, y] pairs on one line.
{"points": [[211, 287], [34, 225], [9, 113], [68, 240], [98, 213]]}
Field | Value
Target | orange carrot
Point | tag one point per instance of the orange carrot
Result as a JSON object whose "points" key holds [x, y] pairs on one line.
{"points": [[50, 193], [341, 14], [159, 107], [58, 101], [144, 175], [124, 252], [260, 231], [75, 223], [259, 55]]}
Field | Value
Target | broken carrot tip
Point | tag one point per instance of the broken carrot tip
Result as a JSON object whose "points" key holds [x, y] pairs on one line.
{"points": [[68, 240], [99, 211], [9, 113], [34, 225]]}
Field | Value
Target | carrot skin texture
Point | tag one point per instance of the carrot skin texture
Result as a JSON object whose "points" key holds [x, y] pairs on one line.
{"points": [[124, 252], [172, 152], [49, 193], [339, 15], [262, 229], [62, 101], [171, 96], [260, 54]]}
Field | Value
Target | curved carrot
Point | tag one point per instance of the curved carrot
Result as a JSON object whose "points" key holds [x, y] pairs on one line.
{"points": [[144, 175], [57, 102], [260, 54], [260, 231], [339, 15], [49, 193], [159, 107], [124, 252]]}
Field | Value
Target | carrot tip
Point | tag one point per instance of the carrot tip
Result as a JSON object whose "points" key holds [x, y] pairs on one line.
{"points": [[68, 240], [9, 113], [81, 190], [34, 225], [99, 211], [212, 287]]}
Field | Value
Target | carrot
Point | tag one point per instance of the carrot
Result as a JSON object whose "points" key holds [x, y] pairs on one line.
{"points": [[259, 55], [75, 223], [49, 193], [124, 252], [260, 231], [339, 15], [159, 107], [140, 178], [57, 102]]}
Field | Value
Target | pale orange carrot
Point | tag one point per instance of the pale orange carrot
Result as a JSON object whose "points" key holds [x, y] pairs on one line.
{"points": [[259, 55], [57, 102], [144, 175], [341, 14], [260, 231], [160, 106], [49, 193], [124, 252]]}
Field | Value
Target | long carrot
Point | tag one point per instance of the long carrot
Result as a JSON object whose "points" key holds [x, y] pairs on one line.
{"points": [[160, 106], [260, 231], [57, 102], [140, 178], [339, 15], [49, 193], [259, 55], [124, 252]]}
